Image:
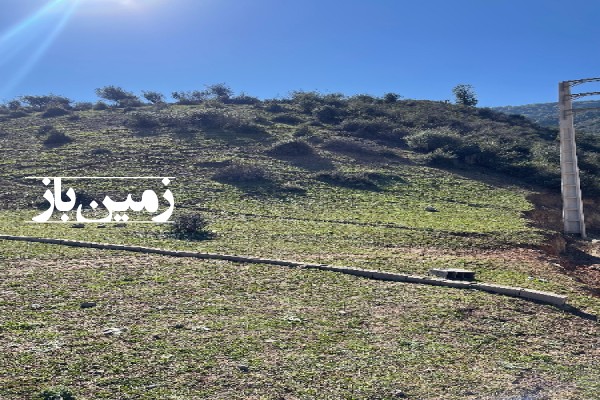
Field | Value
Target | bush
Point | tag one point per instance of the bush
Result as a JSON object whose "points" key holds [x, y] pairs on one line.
{"points": [[347, 145], [18, 114], [56, 138], [241, 173], [391, 98], [83, 106], [327, 114], [307, 101], [303, 130], [248, 128], [243, 99], [219, 91], [355, 180], [190, 226], [294, 148], [100, 105], [141, 120], [52, 112], [432, 139], [56, 394], [46, 129], [288, 119], [190, 98], [274, 107], [441, 158], [377, 128]]}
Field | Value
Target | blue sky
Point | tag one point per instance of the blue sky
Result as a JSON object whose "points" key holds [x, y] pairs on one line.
{"points": [[512, 52]]}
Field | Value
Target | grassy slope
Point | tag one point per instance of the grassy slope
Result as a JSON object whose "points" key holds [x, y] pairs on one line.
{"points": [[390, 338]]}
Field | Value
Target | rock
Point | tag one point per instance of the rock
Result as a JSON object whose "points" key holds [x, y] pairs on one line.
{"points": [[36, 306], [88, 304], [243, 368], [78, 226], [112, 331], [101, 226], [431, 209], [399, 394]]}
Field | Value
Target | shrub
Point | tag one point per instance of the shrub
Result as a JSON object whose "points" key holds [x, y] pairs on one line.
{"points": [[441, 158], [190, 98], [248, 128], [83, 106], [100, 105], [241, 173], [303, 130], [378, 128], [46, 129], [288, 119], [142, 120], [52, 112], [431, 139], [243, 98], [14, 105], [18, 114], [307, 101], [356, 180], [347, 145], [219, 91], [294, 148], [274, 107], [327, 114], [56, 394], [391, 98], [190, 226], [56, 138]]}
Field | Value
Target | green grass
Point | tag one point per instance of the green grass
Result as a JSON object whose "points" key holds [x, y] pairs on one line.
{"points": [[192, 328], [199, 329]]}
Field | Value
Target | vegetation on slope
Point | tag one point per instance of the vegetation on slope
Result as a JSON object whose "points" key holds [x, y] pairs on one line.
{"points": [[546, 114], [311, 177]]}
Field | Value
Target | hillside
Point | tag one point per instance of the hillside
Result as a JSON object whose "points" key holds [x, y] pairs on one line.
{"points": [[546, 114], [379, 183]]}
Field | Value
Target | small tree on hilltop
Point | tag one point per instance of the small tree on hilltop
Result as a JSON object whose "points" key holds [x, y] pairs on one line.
{"points": [[219, 91], [154, 97], [465, 95], [117, 95]]}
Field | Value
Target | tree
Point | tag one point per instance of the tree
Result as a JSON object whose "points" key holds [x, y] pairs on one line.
{"points": [[40, 103], [118, 95], [189, 98], [154, 97], [391, 97], [465, 95], [219, 91]]}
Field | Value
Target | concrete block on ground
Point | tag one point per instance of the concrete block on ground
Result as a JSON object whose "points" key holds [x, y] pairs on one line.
{"points": [[459, 284], [389, 276], [545, 297], [506, 290]]}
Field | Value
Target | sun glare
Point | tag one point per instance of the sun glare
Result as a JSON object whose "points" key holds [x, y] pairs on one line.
{"points": [[31, 37], [114, 5]]}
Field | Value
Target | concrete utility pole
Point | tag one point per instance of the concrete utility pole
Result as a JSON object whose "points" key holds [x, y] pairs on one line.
{"points": [[570, 184]]}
